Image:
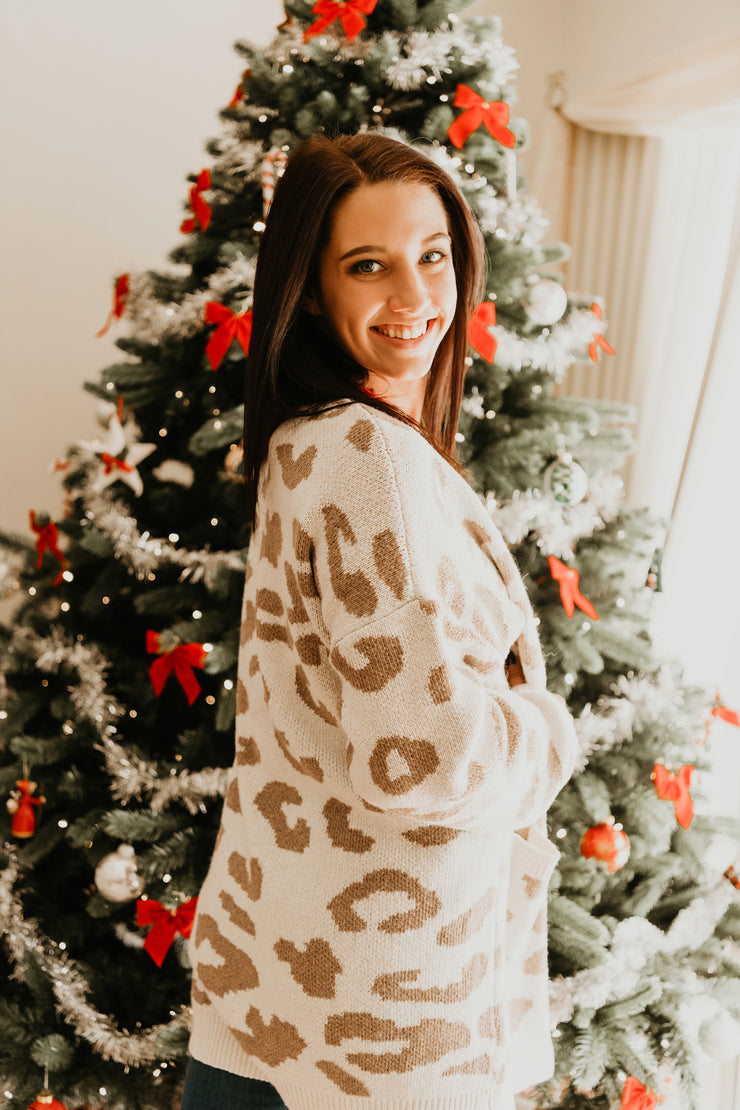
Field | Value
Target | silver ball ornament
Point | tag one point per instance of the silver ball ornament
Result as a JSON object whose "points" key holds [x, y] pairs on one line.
{"points": [[546, 301], [719, 1036], [116, 876]]}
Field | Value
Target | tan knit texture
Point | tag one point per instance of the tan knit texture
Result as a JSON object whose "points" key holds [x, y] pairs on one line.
{"points": [[371, 933]]}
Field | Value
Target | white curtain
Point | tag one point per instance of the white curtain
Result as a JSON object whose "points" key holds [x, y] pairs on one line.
{"points": [[655, 228]]}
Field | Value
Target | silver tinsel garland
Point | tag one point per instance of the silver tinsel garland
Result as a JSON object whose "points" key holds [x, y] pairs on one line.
{"points": [[142, 553], [70, 987]]}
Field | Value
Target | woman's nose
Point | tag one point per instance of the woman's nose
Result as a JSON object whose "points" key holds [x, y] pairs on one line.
{"points": [[408, 292]]}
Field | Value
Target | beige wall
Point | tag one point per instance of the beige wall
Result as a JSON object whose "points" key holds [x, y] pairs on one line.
{"points": [[106, 105]]}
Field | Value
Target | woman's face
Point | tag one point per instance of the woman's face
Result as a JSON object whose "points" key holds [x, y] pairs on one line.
{"points": [[386, 280]]}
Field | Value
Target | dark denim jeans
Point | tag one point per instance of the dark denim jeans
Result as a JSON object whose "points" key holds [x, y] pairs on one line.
{"points": [[208, 1088]]}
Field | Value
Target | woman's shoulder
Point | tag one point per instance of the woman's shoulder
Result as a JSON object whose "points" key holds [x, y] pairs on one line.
{"points": [[349, 432]]}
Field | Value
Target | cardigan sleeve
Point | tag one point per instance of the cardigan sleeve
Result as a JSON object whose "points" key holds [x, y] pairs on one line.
{"points": [[430, 742]]}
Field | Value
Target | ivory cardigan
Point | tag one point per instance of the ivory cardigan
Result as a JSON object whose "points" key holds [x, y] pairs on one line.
{"points": [[371, 933]]}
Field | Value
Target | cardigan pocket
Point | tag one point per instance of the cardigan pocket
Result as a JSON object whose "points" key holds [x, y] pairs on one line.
{"points": [[533, 859]]}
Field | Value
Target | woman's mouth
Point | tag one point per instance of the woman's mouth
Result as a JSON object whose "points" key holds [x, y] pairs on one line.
{"points": [[403, 331]]}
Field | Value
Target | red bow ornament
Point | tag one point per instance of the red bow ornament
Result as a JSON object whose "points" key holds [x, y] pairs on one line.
{"points": [[48, 540], [636, 1096], [201, 208], [567, 578], [724, 712], [164, 925], [493, 113], [675, 788], [349, 12], [239, 90], [230, 327], [181, 659], [479, 336], [593, 354], [121, 290]]}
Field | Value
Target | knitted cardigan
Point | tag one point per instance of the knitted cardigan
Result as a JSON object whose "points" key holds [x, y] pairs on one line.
{"points": [[371, 933]]}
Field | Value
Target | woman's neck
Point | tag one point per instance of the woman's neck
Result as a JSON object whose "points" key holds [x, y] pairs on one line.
{"points": [[403, 394]]}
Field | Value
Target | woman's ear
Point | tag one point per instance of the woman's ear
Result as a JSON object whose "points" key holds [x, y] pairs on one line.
{"points": [[311, 305]]}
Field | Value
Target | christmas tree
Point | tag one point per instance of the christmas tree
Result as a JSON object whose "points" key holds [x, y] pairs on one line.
{"points": [[117, 676]]}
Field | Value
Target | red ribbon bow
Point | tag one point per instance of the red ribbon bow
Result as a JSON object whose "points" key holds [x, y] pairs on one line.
{"points": [[230, 327], [675, 788], [201, 208], [113, 463], [120, 292], [593, 354], [48, 540], [494, 114], [348, 11], [181, 660], [164, 925], [636, 1096], [239, 90], [479, 336], [570, 595], [724, 712]]}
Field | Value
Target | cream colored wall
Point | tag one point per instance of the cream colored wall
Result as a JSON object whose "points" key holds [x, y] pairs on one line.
{"points": [[105, 106]]}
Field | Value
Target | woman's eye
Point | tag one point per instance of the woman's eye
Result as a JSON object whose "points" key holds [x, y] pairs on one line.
{"points": [[433, 256], [366, 266]]}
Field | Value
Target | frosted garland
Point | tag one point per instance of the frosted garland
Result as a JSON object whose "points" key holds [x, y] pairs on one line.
{"points": [[142, 553], [552, 351], [237, 153], [154, 321], [638, 703], [519, 219], [634, 943], [422, 54], [557, 527], [71, 988]]}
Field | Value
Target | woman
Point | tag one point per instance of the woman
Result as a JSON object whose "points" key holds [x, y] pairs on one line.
{"points": [[385, 811]]}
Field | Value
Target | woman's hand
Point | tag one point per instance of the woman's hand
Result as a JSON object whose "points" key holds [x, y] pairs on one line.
{"points": [[514, 673]]}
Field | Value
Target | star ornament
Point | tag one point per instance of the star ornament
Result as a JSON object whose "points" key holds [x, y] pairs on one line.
{"points": [[119, 458]]}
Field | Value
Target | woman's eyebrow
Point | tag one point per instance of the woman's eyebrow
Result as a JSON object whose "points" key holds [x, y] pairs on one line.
{"points": [[369, 248]]}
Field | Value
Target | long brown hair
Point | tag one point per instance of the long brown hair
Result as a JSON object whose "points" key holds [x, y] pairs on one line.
{"points": [[294, 366]]}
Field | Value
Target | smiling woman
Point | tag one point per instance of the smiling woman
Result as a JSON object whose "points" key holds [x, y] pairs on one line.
{"points": [[390, 303], [397, 748]]}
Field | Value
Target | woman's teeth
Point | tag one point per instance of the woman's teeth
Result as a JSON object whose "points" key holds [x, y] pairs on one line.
{"points": [[413, 332]]}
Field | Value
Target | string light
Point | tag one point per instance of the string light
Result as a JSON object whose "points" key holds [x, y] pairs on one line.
{"points": [[64, 606]]}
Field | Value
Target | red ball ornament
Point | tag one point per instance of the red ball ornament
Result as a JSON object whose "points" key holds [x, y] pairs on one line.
{"points": [[46, 1101], [607, 843]]}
